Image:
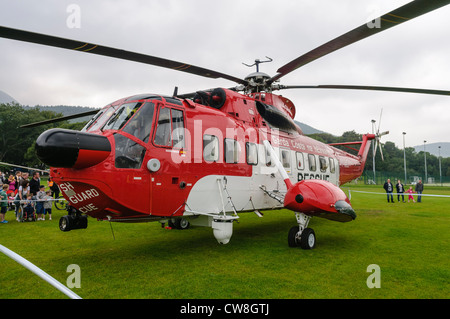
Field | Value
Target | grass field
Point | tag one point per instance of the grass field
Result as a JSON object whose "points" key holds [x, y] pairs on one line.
{"points": [[410, 242]]}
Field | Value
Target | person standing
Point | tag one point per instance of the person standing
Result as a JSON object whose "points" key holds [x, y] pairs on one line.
{"points": [[35, 184], [389, 188], [48, 205], [53, 187], [3, 203], [40, 202], [410, 196], [400, 191], [419, 190], [23, 191]]}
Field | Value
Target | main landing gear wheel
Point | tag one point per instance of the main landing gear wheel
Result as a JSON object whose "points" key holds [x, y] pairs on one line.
{"points": [[305, 239], [308, 239], [179, 223]]}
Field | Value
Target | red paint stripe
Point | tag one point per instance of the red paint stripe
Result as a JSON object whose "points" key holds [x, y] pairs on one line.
{"points": [[87, 158]]}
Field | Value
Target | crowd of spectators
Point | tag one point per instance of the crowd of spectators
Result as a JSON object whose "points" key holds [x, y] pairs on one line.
{"points": [[28, 197]]}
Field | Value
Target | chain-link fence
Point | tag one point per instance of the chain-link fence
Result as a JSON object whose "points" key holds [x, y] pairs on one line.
{"points": [[381, 176]]}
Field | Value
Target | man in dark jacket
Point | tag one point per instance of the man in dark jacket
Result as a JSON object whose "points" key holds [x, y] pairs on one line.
{"points": [[419, 190], [400, 190], [35, 183], [389, 188]]}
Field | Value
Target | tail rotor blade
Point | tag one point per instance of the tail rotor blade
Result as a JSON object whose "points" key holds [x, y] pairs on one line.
{"points": [[379, 122], [381, 152]]}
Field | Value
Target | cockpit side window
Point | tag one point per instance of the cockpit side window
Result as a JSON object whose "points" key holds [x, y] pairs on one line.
{"points": [[128, 153], [163, 128], [170, 128], [178, 129]]}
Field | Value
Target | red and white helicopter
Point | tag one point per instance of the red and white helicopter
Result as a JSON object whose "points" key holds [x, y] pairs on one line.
{"points": [[203, 158]]}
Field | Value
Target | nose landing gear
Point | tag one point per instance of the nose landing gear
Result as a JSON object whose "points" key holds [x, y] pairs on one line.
{"points": [[73, 221], [301, 236]]}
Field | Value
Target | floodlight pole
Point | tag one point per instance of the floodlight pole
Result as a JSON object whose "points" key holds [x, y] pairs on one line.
{"points": [[440, 171], [425, 156], [404, 156], [373, 152]]}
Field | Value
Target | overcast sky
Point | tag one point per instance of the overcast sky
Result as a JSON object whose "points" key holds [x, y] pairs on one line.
{"points": [[220, 35]]}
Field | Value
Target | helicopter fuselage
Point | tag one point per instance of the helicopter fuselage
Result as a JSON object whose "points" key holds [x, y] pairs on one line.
{"points": [[150, 157]]}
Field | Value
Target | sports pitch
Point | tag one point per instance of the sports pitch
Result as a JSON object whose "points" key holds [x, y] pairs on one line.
{"points": [[409, 242]]}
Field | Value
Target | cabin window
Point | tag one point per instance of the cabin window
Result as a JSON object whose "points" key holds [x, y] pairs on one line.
{"points": [[323, 164], [140, 125], [300, 161], [210, 148], [286, 160], [121, 116], [312, 162], [128, 153], [269, 161], [252, 153], [231, 151], [332, 166]]}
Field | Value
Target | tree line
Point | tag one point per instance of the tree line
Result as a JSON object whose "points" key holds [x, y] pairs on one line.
{"points": [[17, 144]]}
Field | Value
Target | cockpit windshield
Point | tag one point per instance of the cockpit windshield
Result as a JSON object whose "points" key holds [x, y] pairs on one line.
{"points": [[140, 125], [130, 153], [121, 116], [99, 119], [133, 123]]}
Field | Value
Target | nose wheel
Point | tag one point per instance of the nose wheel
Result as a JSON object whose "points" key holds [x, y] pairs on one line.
{"points": [[301, 235], [73, 221]]}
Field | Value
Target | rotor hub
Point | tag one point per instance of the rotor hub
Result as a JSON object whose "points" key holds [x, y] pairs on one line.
{"points": [[257, 82]]}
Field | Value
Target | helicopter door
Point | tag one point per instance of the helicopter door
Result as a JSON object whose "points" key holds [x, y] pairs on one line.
{"points": [[169, 181], [135, 119]]}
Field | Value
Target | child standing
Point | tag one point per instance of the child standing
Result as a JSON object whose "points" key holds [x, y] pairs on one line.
{"points": [[48, 205], [410, 196], [12, 184], [3, 203], [40, 202]]}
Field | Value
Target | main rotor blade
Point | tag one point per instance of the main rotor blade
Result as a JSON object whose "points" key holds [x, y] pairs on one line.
{"points": [[405, 13], [59, 119], [370, 88], [52, 41]]}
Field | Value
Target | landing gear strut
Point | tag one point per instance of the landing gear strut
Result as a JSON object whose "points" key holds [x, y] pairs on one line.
{"points": [[72, 221], [301, 236]]}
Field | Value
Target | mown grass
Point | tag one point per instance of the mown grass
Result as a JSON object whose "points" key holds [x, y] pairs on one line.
{"points": [[410, 242]]}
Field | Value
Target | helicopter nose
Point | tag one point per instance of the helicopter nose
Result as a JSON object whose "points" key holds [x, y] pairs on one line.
{"points": [[319, 198], [71, 149]]}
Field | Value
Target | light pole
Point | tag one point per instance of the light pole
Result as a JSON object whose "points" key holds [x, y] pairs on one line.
{"points": [[404, 155], [440, 171], [373, 152], [425, 155]]}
